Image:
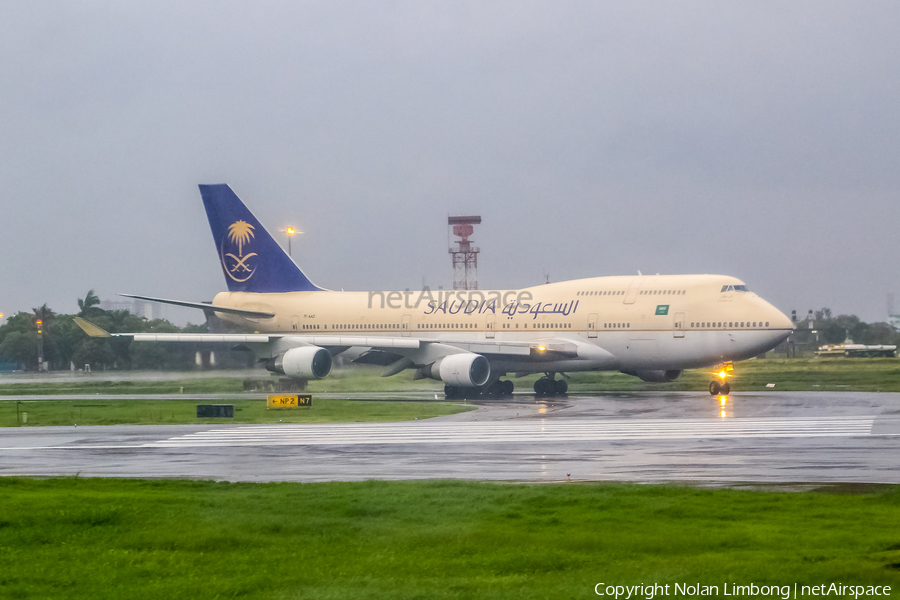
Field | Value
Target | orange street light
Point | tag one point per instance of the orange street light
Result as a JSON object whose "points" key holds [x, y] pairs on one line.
{"points": [[290, 231]]}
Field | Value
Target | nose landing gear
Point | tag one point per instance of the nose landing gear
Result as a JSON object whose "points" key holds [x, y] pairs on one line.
{"points": [[719, 385]]}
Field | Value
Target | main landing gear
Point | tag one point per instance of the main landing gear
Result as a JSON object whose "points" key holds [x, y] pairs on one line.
{"points": [[498, 389], [548, 386], [719, 386]]}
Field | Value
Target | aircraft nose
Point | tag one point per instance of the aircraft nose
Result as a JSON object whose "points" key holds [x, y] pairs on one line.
{"points": [[781, 320]]}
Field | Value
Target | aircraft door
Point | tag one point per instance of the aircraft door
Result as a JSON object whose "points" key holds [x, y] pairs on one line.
{"points": [[404, 325], [489, 327], [592, 325], [678, 326], [295, 322]]}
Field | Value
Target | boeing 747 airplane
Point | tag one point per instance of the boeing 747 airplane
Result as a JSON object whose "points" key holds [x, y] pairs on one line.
{"points": [[652, 327]]}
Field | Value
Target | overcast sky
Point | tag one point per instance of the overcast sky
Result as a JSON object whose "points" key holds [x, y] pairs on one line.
{"points": [[754, 139]]}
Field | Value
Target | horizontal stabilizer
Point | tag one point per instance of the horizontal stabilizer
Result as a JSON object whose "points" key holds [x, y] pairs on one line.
{"points": [[251, 314]]}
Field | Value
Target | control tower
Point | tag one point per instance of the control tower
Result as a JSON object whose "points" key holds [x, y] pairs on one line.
{"points": [[465, 256]]}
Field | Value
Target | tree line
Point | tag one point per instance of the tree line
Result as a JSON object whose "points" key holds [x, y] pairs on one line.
{"points": [[65, 345], [837, 329]]}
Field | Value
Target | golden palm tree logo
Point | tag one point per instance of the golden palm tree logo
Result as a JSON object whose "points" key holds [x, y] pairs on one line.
{"points": [[239, 267], [240, 233]]}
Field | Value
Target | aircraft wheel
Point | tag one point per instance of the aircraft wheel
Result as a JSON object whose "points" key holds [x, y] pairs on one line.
{"points": [[542, 387], [561, 387], [725, 388], [507, 388], [451, 392], [714, 388], [494, 390]]}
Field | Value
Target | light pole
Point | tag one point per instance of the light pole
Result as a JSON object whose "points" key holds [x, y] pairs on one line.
{"points": [[290, 231], [40, 341]]}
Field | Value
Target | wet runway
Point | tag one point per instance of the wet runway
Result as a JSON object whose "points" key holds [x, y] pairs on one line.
{"points": [[772, 437]]}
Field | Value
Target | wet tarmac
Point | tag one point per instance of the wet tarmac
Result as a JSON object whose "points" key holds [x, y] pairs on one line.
{"points": [[772, 437]]}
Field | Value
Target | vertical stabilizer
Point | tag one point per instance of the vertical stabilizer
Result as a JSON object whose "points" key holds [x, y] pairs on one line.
{"points": [[251, 259]]}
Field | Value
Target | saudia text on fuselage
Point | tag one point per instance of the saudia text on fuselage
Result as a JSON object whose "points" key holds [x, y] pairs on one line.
{"points": [[470, 302]]}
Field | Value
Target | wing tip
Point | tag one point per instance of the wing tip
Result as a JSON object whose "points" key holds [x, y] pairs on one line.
{"points": [[91, 329]]}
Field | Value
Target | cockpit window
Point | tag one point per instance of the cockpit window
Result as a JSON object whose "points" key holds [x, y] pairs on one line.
{"points": [[735, 288]]}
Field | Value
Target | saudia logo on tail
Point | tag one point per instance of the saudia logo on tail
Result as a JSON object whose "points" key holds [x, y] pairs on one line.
{"points": [[239, 266]]}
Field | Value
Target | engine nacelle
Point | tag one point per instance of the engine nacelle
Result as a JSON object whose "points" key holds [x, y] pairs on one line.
{"points": [[306, 362], [655, 376], [463, 370]]}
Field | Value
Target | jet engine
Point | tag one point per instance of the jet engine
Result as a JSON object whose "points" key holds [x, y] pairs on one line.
{"points": [[463, 370], [655, 376], [306, 362]]}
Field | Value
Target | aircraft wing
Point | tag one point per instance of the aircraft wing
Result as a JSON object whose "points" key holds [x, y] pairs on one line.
{"points": [[250, 338], [233, 338], [550, 348]]}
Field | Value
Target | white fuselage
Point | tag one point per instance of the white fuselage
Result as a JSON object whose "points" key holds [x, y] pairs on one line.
{"points": [[624, 323]]}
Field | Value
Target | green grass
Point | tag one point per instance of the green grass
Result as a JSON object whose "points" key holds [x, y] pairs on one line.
{"points": [[137, 411], [200, 385], [801, 374], [348, 379], [99, 538]]}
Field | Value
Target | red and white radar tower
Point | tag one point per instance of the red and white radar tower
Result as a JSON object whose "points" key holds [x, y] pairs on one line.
{"points": [[465, 256]]}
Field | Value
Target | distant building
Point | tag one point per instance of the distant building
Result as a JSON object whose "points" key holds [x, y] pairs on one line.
{"points": [[893, 319], [139, 308]]}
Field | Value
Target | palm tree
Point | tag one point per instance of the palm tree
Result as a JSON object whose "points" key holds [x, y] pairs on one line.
{"points": [[240, 233], [43, 313], [90, 301]]}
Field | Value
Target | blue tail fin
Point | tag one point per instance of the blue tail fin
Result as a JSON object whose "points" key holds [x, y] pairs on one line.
{"points": [[251, 260]]}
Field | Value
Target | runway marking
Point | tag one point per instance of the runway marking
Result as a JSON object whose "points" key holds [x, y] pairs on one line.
{"points": [[538, 431], [475, 432]]}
